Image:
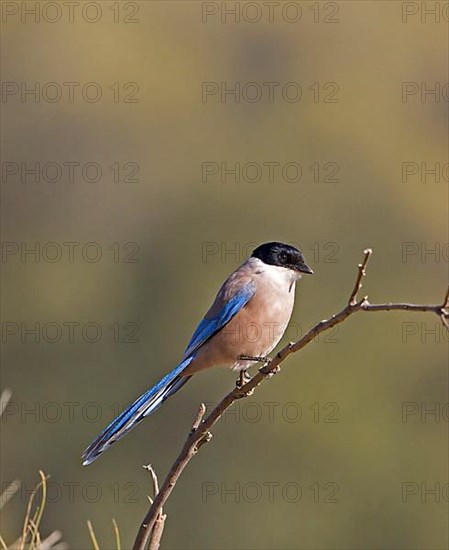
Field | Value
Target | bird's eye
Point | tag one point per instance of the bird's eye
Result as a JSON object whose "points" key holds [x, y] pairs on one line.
{"points": [[283, 258]]}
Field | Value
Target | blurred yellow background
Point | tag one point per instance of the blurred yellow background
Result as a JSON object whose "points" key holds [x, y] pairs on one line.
{"points": [[341, 435]]}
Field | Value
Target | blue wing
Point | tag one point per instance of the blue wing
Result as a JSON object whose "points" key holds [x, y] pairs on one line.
{"points": [[211, 324], [221, 312]]}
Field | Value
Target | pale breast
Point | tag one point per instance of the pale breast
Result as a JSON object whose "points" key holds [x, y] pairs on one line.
{"points": [[258, 327]]}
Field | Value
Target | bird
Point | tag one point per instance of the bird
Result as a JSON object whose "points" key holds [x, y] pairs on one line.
{"points": [[244, 324]]}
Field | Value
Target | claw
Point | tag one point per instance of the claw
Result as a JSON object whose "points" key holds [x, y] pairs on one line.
{"points": [[243, 378]]}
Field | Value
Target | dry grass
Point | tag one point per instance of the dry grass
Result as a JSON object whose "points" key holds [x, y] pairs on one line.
{"points": [[30, 537]]}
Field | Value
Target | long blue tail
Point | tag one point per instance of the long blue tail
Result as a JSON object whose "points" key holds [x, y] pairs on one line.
{"points": [[145, 405]]}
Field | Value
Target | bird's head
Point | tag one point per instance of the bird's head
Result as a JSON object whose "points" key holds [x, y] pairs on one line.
{"points": [[282, 255]]}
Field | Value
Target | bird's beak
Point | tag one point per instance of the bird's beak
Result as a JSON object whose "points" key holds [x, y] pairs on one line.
{"points": [[304, 268]]}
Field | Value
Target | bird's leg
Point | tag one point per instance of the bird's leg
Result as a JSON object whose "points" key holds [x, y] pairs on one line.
{"points": [[243, 378]]}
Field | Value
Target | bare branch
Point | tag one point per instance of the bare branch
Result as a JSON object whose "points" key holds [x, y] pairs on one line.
{"points": [[199, 417], [156, 533], [158, 529], [444, 314], [446, 299], [200, 432], [361, 273], [154, 479], [444, 321]]}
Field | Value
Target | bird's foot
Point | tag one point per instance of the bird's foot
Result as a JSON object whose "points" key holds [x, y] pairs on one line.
{"points": [[243, 378]]}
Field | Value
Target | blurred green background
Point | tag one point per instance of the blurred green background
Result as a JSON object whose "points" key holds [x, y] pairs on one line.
{"points": [[337, 428]]}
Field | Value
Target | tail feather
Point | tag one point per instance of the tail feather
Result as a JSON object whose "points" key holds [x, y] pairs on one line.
{"points": [[145, 405]]}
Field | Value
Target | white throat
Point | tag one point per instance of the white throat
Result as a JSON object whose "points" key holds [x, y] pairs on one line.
{"points": [[283, 276]]}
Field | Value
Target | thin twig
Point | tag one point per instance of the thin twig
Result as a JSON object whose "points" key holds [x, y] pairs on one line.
{"points": [[199, 417], [200, 432], [154, 479], [361, 273], [446, 299], [158, 528]]}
